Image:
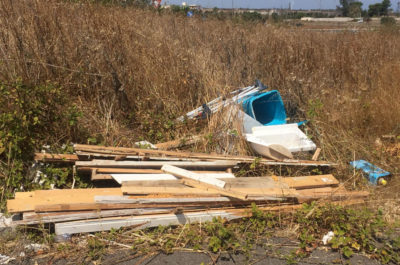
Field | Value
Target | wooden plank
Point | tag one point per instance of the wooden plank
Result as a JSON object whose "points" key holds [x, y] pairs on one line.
{"points": [[100, 170], [120, 157], [171, 200], [316, 154], [189, 191], [46, 157], [243, 159], [260, 182], [178, 143], [141, 222], [107, 206], [197, 181], [48, 197], [54, 217], [24, 195], [157, 164], [156, 177], [310, 181]]}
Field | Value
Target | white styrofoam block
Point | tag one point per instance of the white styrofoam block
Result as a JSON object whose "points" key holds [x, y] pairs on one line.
{"points": [[287, 135]]}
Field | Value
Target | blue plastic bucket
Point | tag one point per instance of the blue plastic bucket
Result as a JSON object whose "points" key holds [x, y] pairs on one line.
{"points": [[267, 108]]}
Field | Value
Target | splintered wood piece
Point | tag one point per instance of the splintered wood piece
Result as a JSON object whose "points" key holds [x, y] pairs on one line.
{"points": [[316, 154], [198, 181], [66, 158]]}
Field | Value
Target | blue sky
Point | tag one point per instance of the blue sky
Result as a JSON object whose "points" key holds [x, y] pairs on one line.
{"points": [[296, 4]]}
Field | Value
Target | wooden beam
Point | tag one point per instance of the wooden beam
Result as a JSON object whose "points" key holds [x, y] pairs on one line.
{"points": [[156, 177], [310, 181], [64, 158], [54, 217], [141, 222], [242, 159], [49, 197], [157, 164], [198, 181], [178, 143], [316, 154]]}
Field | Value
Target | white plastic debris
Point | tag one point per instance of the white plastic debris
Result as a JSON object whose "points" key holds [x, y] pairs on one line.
{"points": [[146, 145], [287, 135], [5, 259], [34, 247], [328, 237], [5, 221]]}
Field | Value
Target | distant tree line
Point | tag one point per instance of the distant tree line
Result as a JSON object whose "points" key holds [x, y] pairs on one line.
{"points": [[353, 8]]}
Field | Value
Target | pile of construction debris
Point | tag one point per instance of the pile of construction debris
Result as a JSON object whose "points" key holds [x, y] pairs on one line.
{"points": [[148, 188]]}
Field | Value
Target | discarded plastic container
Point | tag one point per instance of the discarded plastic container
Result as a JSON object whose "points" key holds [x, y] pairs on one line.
{"points": [[287, 135], [375, 174], [267, 108]]}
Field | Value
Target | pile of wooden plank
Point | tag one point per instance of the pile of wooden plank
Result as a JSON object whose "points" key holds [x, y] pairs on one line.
{"points": [[155, 187]]}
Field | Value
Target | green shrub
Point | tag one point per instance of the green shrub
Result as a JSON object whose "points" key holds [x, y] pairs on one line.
{"points": [[388, 21], [29, 117]]}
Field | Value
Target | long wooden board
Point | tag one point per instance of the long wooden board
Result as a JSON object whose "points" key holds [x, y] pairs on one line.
{"points": [[248, 159], [46, 157], [156, 177], [141, 222], [49, 197], [256, 182], [157, 164], [198, 181]]}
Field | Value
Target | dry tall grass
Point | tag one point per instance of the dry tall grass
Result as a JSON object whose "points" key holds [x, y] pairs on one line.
{"points": [[133, 71]]}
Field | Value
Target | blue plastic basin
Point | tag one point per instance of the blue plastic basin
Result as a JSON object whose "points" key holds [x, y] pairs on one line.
{"points": [[267, 108]]}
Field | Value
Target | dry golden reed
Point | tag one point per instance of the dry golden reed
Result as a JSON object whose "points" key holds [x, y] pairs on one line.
{"points": [[132, 71]]}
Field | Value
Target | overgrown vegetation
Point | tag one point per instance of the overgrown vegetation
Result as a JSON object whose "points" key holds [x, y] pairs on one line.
{"points": [[71, 72], [355, 231]]}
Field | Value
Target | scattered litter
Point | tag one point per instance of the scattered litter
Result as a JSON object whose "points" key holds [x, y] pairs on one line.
{"points": [[151, 186], [328, 237], [35, 247], [5, 221], [375, 174], [5, 259], [145, 145]]}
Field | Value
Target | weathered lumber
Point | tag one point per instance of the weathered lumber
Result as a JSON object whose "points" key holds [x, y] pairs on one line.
{"points": [[46, 157], [178, 143], [107, 206], [242, 159], [138, 157], [48, 197], [256, 182], [141, 222], [54, 217], [156, 177], [189, 191], [316, 154], [198, 181], [310, 181], [157, 164], [171, 200]]}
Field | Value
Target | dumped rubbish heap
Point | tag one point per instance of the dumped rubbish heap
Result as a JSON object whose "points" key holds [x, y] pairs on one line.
{"points": [[152, 187]]}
